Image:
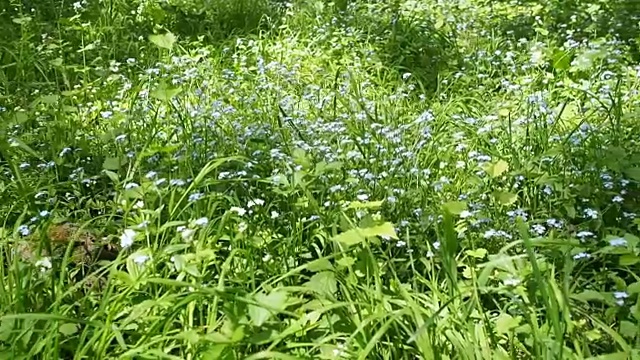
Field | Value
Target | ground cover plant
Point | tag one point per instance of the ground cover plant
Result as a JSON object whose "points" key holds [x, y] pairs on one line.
{"points": [[356, 179]]}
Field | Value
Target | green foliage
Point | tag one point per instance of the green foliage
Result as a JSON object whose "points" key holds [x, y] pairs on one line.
{"points": [[365, 179]]}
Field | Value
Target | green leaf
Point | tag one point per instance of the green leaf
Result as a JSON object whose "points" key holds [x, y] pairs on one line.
{"points": [[319, 265], [349, 237], [455, 207], [346, 261], [164, 41], [165, 92], [300, 158], [628, 329], [365, 205], [561, 60], [633, 173], [505, 323], [111, 175], [323, 282], [260, 313], [383, 230], [505, 198], [111, 163], [477, 253], [496, 169], [629, 259], [589, 295], [22, 20], [68, 329], [634, 288]]}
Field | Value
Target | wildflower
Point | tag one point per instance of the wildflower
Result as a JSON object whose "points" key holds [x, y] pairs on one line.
{"points": [[466, 214], [617, 199], [177, 182], [159, 182], [538, 229], [590, 213], [202, 222], [618, 242], [274, 214], [242, 227], [255, 202], [240, 211], [151, 175], [24, 166], [436, 245], [44, 213], [65, 151], [547, 190], [620, 297], [130, 185], [106, 115], [126, 239], [24, 230], [143, 225], [511, 282], [44, 264], [401, 243], [139, 204], [195, 197], [140, 259], [582, 255], [362, 197], [584, 234], [187, 234]]}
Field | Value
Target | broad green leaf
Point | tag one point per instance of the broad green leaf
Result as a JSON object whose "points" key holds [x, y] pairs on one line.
{"points": [[496, 169], [112, 176], [111, 163], [505, 198], [22, 20], [68, 329], [477, 253], [319, 265], [561, 60], [165, 92], [350, 237], [164, 41], [455, 207], [383, 230], [259, 314], [629, 259], [365, 205], [300, 158], [505, 323], [346, 261], [323, 282], [628, 329], [634, 288], [589, 295]]}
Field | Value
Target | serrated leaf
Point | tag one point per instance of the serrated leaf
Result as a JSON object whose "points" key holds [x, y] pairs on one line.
{"points": [[323, 282], [505, 198], [455, 207], [505, 323], [68, 329], [496, 169], [477, 253], [164, 41]]}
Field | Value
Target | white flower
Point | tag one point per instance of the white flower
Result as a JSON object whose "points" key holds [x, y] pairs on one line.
{"points": [[362, 197], [187, 234], [151, 175], [140, 259], [195, 197], [511, 282], [44, 264], [255, 202], [617, 199], [436, 245], [24, 230], [126, 239], [131, 185], [64, 151], [139, 204], [584, 234], [203, 221], [274, 214], [618, 242], [582, 255], [465, 214], [240, 211], [44, 213], [242, 227]]}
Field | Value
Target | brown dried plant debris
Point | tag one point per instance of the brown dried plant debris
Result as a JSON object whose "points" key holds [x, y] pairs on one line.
{"points": [[87, 246]]}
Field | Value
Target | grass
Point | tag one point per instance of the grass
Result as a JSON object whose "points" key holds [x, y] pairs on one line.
{"points": [[337, 180]]}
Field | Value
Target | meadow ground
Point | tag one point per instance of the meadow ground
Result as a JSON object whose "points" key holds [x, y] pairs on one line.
{"points": [[356, 179]]}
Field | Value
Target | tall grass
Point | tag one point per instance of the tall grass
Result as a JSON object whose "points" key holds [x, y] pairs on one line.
{"points": [[299, 180]]}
